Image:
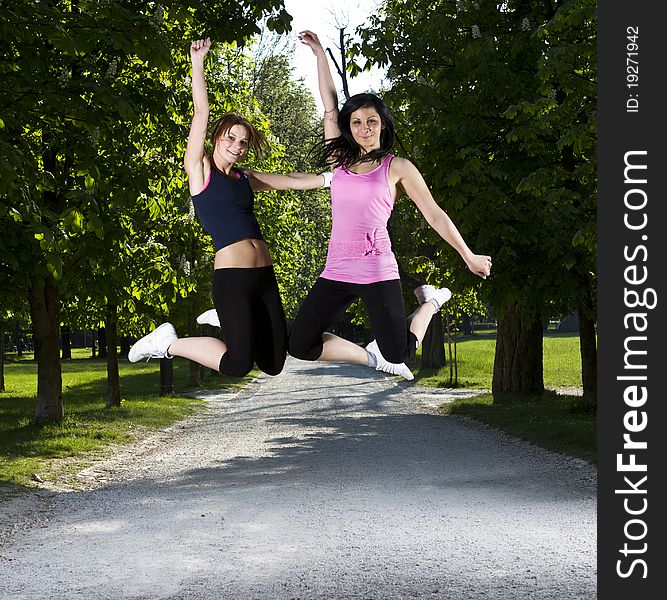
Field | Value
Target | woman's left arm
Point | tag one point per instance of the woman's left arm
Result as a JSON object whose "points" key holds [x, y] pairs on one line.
{"points": [[411, 180], [260, 181]]}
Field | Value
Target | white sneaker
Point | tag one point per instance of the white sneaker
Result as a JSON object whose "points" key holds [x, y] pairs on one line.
{"points": [[426, 293], [391, 368], [153, 345], [210, 317]]}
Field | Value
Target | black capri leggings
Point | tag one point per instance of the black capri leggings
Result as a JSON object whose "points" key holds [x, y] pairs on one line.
{"points": [[328, 299], [252, 320]]}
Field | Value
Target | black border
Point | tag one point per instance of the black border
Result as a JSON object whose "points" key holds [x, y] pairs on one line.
{"points": [[620, 131]]}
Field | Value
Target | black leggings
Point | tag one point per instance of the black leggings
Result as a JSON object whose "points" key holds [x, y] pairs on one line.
{"points": [[252, 320], [328, 299]]}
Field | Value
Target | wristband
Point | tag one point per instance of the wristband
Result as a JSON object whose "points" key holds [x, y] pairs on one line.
{"points": [[327, 179]]}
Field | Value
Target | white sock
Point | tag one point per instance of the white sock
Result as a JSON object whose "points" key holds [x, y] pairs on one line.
{"points": [[434, 302], [372, 359]]}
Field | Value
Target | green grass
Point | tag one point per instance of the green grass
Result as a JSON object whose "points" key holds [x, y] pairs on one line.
{"points": [[89, 427], [475, 354]]}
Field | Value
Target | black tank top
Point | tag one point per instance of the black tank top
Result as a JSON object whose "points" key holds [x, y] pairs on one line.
{"points": [[225, 208]]}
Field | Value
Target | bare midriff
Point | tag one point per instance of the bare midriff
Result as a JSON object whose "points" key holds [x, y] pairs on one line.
{"points": [[246, 254]]}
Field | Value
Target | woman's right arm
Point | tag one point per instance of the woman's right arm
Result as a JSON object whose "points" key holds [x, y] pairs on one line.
{"points": [[195, 158], [326, 84]]}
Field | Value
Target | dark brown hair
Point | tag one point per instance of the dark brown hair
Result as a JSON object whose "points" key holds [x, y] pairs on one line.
{"points": [[344, 150], [257, 143]]}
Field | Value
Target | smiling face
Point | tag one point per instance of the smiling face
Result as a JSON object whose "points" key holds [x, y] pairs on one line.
{"points": [[232, 145], [366, 127]]}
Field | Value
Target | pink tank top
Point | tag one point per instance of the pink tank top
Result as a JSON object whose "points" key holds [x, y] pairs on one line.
{"points": [[360, 248]]}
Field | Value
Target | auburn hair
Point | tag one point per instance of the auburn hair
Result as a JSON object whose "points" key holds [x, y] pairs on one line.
{"points": [[257, 143]]}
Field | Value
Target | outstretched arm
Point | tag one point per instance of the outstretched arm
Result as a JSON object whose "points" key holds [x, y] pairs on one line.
{"points": [[411, 180], [194, 153], [326, 84], [293, 181]]}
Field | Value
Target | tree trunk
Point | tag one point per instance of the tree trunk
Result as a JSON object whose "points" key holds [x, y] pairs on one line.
{"points": [[19, 343], [433, 346], [65, 342], [518, 365], [102, 342], [195, 367], [45, 313], [113, 380], [166, 376], [342, 69], [589, 359], [2, 360], [467, 325], [453, 362], [124, 346]]}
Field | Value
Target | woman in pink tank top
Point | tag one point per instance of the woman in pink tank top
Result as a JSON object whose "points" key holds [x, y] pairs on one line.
{"points": [[366, 182]]}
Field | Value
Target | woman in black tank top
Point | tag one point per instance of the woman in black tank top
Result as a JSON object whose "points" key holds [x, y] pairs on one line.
{"points": [[247, 302]]}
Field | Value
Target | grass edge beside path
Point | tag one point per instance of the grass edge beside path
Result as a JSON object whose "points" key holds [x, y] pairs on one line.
{"points": [[557, 422], [32, 455], [554, 421]]}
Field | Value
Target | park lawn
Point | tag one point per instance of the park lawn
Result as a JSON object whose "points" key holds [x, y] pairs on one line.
{"points": [[89, 427], [475, 354]]}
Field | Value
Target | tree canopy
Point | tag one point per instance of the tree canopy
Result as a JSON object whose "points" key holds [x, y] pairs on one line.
{"points": [[496, 105], [93, 119]]}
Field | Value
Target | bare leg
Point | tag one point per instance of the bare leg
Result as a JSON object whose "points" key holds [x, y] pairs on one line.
{"points": [[206, 351], [336, 348], [420, 320]]}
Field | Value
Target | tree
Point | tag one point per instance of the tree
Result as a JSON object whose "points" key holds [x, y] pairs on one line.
{"points": [[481, 76], [74, 72], [563, 118]]}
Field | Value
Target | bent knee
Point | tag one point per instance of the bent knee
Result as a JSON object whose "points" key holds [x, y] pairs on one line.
{"points": [[303, 351], [401, 353], [395, 355], [235, 367], [273, 367], [273, 370]]}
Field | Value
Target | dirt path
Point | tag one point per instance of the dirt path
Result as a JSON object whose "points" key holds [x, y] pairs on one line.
{"points": [[324, 482]]}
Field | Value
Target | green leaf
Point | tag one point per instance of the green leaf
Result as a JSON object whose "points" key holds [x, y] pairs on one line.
{"points": [[54, 265]]}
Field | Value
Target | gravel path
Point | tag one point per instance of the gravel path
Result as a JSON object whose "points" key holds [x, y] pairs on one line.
{"points": [[324, 482]]}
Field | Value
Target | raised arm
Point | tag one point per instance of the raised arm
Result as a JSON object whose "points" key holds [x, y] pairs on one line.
{"points": [[407, 176], [326, 84], [194, 160]]}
